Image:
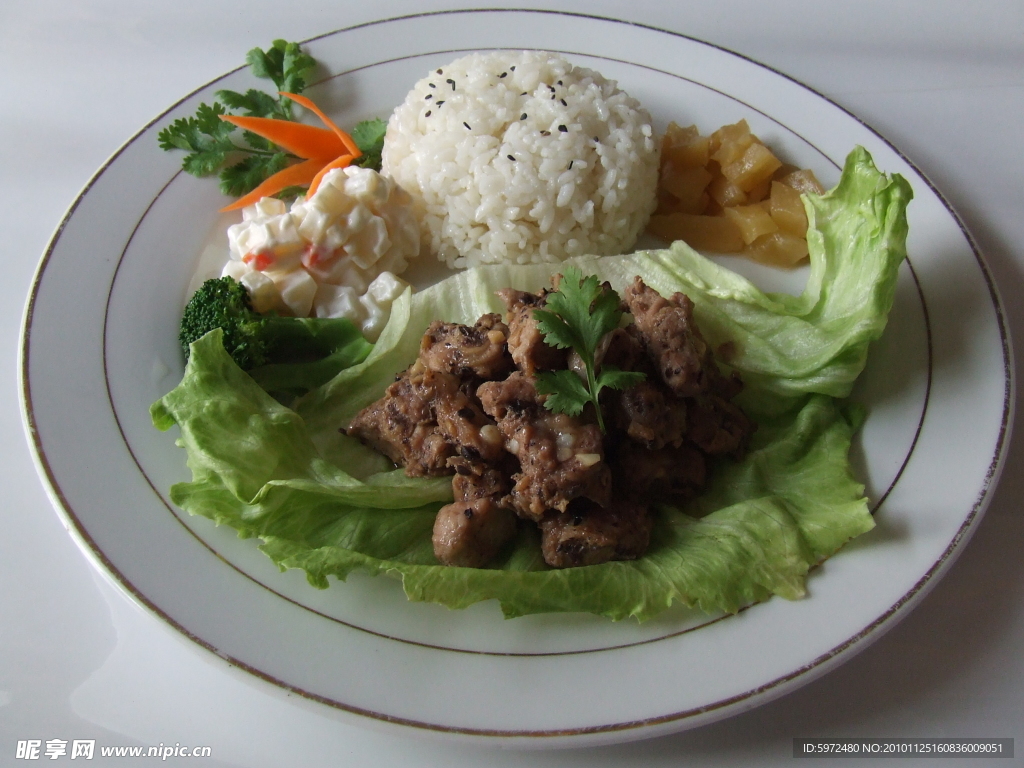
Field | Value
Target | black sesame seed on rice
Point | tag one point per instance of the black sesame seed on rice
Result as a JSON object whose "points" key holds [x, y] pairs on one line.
{"points": [[511, 157], [570, 165], [429, 96], [451, 83], [522, 116], [545, 133], [503, 74], [512, 69], [467, 126], [440, 71], [428, 113], [432, 85], [440, 102], [563, 129], [563, 103]]}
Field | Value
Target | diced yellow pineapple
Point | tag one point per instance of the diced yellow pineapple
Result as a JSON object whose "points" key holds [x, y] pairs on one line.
{"points": [[692, 155], [759, 192], [704, 233], [753, 221], [729, 193], [803, 181], [729, 142], [685, 147], [754, 167], [778, 250], [725, 193], [687, 185], [787, 209], [676, 136], [667, 202]]}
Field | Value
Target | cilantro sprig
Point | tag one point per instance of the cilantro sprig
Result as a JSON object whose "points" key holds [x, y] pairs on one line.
{"points": [[210, 142], [242, 159], [577, 317], [369, 137], [284, 63]]}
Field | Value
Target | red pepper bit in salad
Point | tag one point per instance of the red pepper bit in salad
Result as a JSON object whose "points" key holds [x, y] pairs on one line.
{"points": [[258, 261], [322, 150], [315, 254]]}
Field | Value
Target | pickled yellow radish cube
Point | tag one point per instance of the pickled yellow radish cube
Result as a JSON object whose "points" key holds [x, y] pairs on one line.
{"points": [[671, 204], [729, 142], [754, 167], [687, 185], [693, 155], [803, 181], [676, 136], [787, 209], [784, 170], [704, 233], [778, 250], [729, 193], [759, 191], [725, 193], [667, 202], [753, 221]]}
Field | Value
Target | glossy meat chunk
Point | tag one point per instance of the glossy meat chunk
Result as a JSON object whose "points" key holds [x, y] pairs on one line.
{"points": [[667, 472], [402, 426], [479, 350], [673, 341], [525, 341], [424, 419], [588, 534], [561, 459], [470, 533], [651, 415], [718, 427]]}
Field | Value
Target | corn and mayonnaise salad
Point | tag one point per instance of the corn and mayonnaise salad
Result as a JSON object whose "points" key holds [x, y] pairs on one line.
{"points": [[336, 254]]}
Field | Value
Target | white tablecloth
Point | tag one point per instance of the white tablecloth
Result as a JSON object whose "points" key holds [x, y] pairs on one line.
{"points": [[943, 81]]}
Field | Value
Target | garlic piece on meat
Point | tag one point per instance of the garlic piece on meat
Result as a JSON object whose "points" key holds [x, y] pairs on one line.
{"points": [[565, 442], [490, 434]]}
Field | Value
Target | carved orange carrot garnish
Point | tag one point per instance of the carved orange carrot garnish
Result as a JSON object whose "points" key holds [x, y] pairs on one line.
{"points": [[321, 150]]}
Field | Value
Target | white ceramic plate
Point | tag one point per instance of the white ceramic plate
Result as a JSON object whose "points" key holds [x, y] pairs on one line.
{"points": [[100, 345]]}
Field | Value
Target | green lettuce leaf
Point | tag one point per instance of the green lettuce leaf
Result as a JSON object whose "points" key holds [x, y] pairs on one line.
{"points": [[320, 501]]}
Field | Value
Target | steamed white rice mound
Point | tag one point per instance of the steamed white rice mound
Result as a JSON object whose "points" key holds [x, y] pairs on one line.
{"points": [[522, 158]]}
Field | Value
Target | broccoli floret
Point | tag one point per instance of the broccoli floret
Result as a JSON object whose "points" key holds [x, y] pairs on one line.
{"points": [[225, 303], [287, 356]]}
